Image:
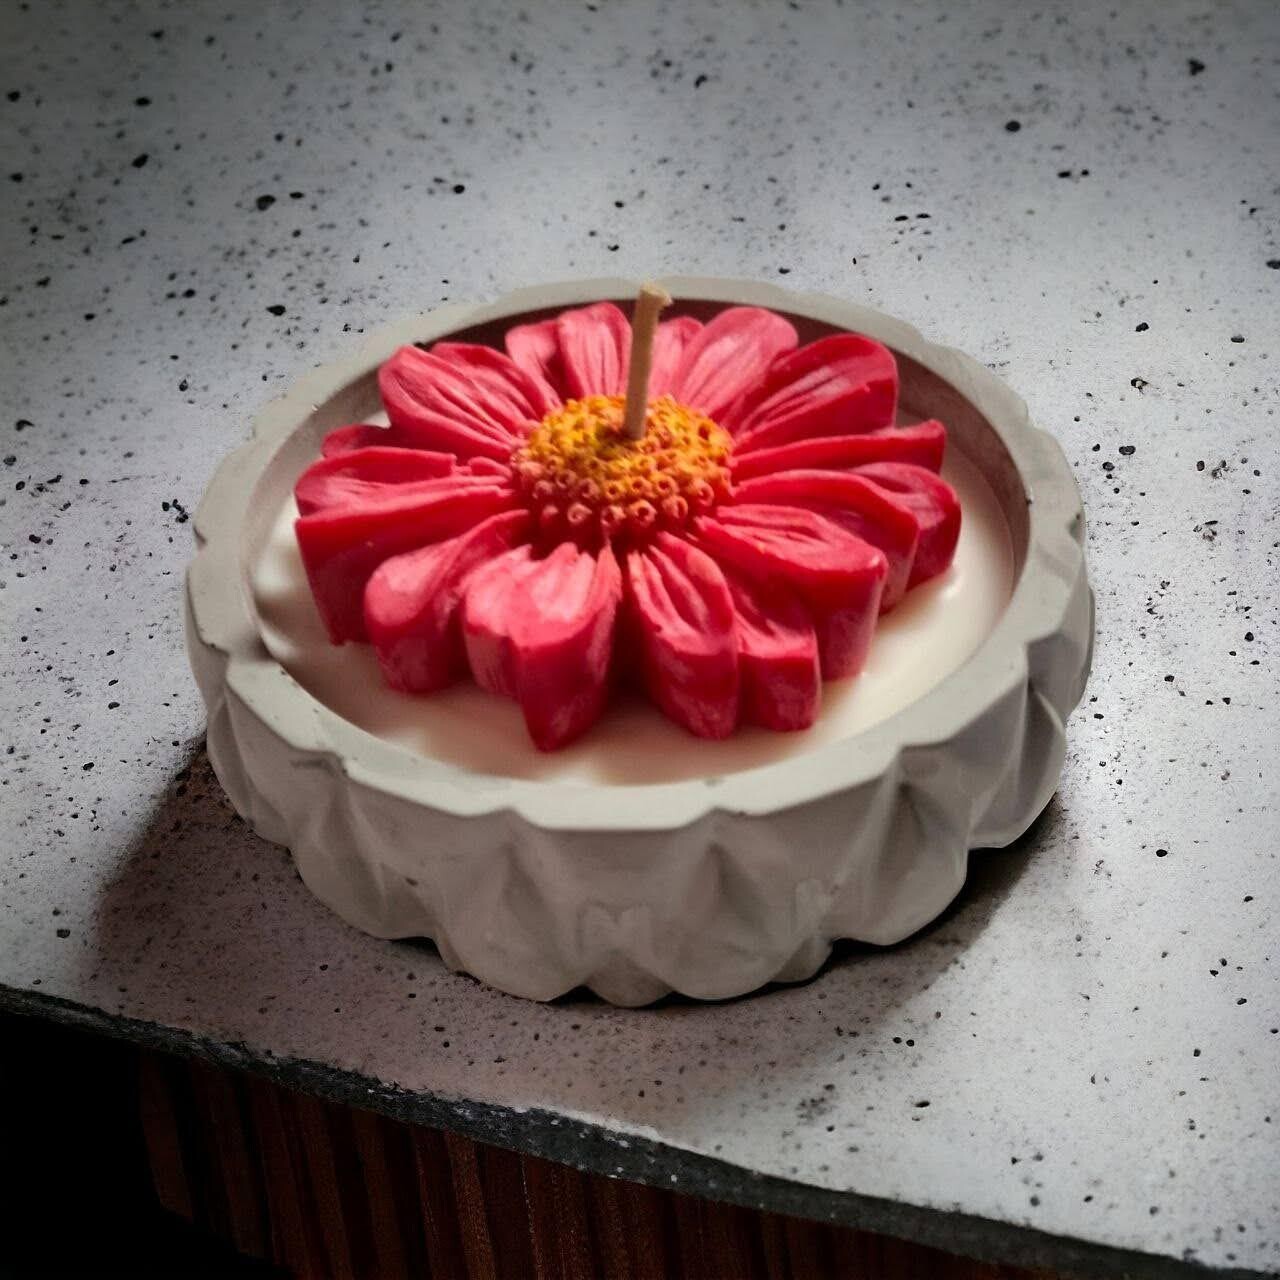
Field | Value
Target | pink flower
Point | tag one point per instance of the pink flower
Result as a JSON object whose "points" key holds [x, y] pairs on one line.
{"points": [[733, 558]]}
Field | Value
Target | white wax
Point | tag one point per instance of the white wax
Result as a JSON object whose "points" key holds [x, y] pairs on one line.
{"points": [[935, 628]]}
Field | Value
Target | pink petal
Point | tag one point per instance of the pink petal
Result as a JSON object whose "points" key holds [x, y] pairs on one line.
{"points": [[922, 444], [777, 655], [855, 504], [460, 399], [411, 604], [669, 344], [841, 385], [563, 640], [499, 376], [342, 546], [541, 631], [683, 617], [729, 356], [481, 466], [595, 344], [536, 349], [838, 576], [364, 474], [358, 436], [934, 504], [488, 603]]}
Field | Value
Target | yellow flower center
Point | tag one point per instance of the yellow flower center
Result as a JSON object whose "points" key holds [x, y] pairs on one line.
{"points": [[584, 479]]}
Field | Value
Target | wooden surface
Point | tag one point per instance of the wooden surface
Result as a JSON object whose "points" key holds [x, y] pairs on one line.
{"points": [[324, 1190], [123, 1148]]}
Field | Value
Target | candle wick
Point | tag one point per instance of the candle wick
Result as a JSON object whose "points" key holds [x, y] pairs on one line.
{"points": [[644, 323]]}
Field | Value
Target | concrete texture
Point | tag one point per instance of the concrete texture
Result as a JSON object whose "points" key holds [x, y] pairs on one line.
{"points": [[1081, 1063]]}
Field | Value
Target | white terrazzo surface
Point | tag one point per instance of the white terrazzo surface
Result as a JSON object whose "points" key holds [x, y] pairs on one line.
{"points": [[197, 204]]}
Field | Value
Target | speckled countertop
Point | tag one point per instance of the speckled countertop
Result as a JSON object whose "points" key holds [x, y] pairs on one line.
{"points": [[1080, 1064]]}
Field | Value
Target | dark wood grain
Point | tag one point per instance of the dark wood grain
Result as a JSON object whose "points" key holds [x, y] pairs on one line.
{"points": [[326, 1191]]}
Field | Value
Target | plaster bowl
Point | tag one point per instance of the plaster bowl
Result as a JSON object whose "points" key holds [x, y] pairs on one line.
{"points": [[690, 867]]}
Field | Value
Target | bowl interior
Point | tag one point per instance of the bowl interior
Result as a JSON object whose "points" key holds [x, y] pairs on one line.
{"points": [[927, 637]]}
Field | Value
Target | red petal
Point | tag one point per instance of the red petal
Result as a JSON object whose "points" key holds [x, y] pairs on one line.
{"points": [[411, 604], [541, 631], [595, 343], [728, 357], [488, 467], [839, 576], [669, 345], [841, 385], [855, 504], [342, 546], [358, 436], [563, 641], [504, 381], [922, 444], [487, 605], [685, 627], [777, 656], [363, 474], [935, 506], [461, 399], [536, 349]]}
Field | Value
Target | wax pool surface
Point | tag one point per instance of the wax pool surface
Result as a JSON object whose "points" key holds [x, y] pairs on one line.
{"points": [[924, 639]]}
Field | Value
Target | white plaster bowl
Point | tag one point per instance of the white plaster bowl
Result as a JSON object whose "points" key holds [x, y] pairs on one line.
{"points": [[708, 885]]}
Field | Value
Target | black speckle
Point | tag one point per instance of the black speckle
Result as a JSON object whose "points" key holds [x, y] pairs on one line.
{"points": [[1195, 66], [139, 161], [1012, 126], [276, 309], [15, 177], [264, 202], [699, 81], [295, 195], [13, 95], [64, 933], [1141, 328], [1237, 337], [459, 188], [88, 764], [1242, 1000], [1274, 264], [33, 538], [1138, 384], [142, 102], [1162, 853], [1128, 450], [22, 424]]}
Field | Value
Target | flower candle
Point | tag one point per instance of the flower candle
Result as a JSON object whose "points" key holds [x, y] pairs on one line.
{"points": [[730, 547], [641, 858]]}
